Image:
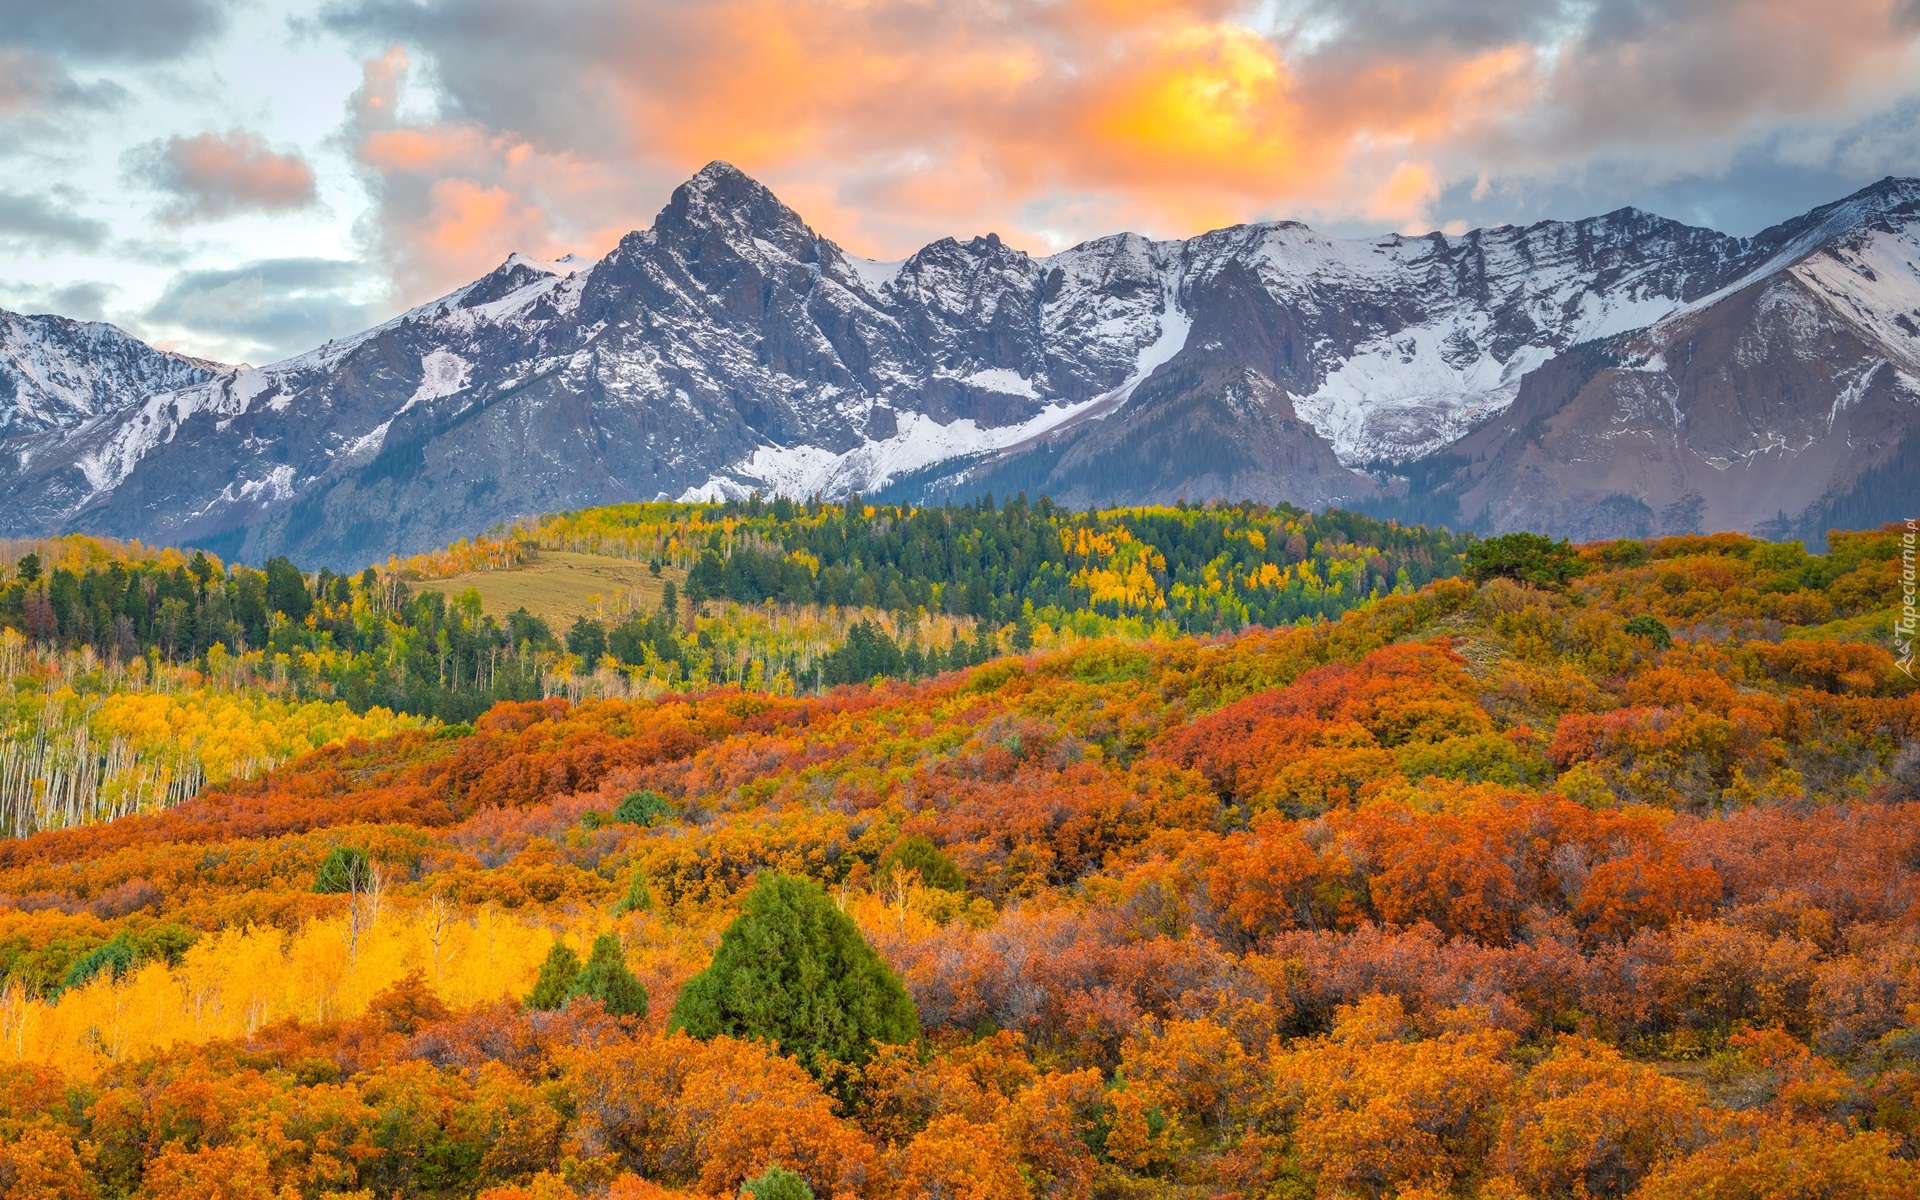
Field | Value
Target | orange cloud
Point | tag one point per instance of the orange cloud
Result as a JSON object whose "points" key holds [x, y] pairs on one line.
{"points": [[467, 217], [212, 175], [890, 122], [456, 198], [420, 149]]}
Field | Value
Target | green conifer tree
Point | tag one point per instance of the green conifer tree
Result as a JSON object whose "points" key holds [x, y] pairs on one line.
{"points": [[639, 897], [918, 853], [777, 1183], [557, 975], [606, 978], [794, 970]]}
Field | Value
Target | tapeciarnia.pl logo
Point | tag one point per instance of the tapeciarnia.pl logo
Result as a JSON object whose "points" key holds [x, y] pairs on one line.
{"points": [[1907, 621]]}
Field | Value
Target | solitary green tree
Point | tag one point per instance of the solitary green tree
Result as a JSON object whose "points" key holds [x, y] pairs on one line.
{"points": [[606, 978], [794, 970], [777, 1183], [918, 853], [1648, 626], [1526, 557], [639, 897], [642, 808], [344, 871], [557, 974]]}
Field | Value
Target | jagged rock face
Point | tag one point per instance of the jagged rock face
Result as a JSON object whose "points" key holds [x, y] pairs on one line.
{"points": [[56, 374], [1765, 410], [729, 348], [1195, 429]]}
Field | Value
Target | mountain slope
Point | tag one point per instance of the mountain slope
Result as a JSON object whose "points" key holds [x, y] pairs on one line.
{"points": [[56, 374], [1764, 408], [729, 348]]}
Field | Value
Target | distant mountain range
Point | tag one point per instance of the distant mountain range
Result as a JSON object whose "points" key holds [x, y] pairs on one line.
{"points": [[1619, 375]]}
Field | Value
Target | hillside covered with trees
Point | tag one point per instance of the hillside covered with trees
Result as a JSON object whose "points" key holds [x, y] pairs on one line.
{"points": [[1564, 874], [137, 675]]}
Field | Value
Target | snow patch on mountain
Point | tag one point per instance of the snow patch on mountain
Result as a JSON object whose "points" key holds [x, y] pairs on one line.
{"points": [[873, 274], [278, 485], [566, 264], [369, 442], [132, 438], [1409, 392], [800, 472], [1175, 325], [1874, 281], [57, 374], [246, 385], [1005, 381], [442, 373]]}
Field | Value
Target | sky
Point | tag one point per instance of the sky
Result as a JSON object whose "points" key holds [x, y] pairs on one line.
{"points": [[245, 179]]}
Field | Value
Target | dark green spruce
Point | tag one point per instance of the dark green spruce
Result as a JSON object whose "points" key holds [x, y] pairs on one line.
{"points": [[793, 970]]}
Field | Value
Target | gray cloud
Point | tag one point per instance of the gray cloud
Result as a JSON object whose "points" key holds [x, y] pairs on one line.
{"points": [[111, 30], [33, 220], [212, 175], [510, 65], [33, 82], [86, 301], [81, 301], [40, 98], [266, 310], [1374, 27]]}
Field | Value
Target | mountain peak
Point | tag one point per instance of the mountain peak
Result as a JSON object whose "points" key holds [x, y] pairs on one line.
{"points": [[1891, 197], [725, 187], [720, 172], [722, 198], [566, 264], [1899, 188]]}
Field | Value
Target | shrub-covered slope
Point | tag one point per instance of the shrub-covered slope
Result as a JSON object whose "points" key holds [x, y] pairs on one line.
{"points": [[1484, 889]]}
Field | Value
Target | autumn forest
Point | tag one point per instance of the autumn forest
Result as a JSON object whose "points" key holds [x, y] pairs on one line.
{"points": [[964, 854]]}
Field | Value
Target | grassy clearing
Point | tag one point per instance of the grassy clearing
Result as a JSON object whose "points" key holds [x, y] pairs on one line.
{"points": [[558, 586]]}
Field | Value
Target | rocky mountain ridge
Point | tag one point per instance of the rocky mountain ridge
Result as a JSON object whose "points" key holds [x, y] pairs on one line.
{"points": [[56, 373], [1512, 377]]}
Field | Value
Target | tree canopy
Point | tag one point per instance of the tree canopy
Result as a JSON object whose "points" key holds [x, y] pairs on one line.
{"points": [[1525, 558], [605, 978], [918, 853], [793, 969]]}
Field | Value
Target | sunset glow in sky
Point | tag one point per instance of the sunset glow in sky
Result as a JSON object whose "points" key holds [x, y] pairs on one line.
{"points": [[246, 179]]}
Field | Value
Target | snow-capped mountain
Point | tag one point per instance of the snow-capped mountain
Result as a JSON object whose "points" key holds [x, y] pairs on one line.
{"points": [[1785, 403], [56, 374], [728, 348]]}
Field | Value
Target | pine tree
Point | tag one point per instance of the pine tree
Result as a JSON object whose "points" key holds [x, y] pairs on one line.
{"points": [[639, 897], [918, 853], [777, 1183], [607, 979], [793, 969], [557, 976]]}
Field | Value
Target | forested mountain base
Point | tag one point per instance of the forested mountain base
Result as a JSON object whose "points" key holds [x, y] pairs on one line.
{"points": [[1590, 875], [778, 597]]}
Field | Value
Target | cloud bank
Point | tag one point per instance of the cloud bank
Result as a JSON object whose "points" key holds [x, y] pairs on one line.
{"points": [[890, 122], [112, 30], [479, 127], [255, 311]]}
